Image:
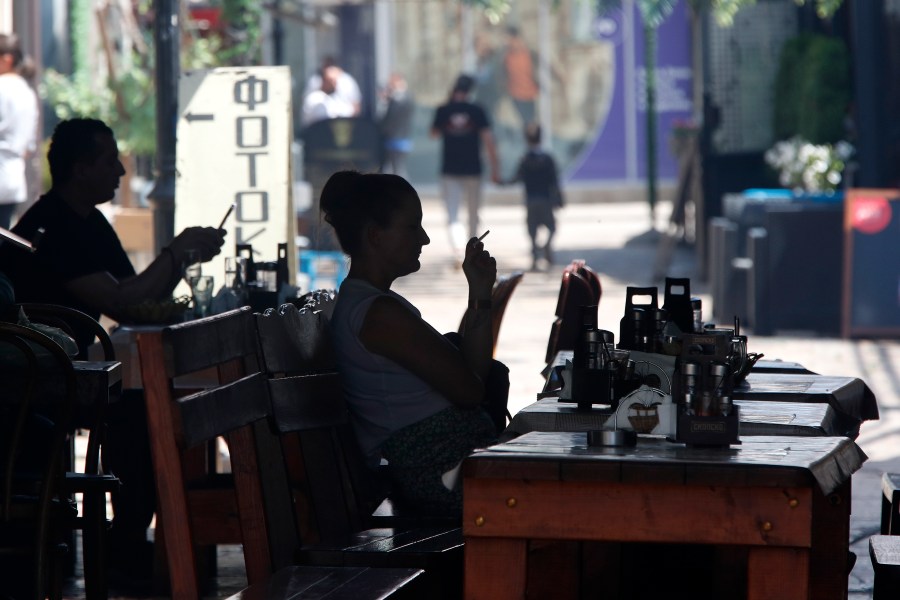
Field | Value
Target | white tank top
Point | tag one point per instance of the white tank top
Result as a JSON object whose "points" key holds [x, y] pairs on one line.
{"points": [[383, 396]]}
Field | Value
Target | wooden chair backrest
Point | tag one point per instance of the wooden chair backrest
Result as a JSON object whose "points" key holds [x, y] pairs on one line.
{"points": [[502, 292], [575, 292], [307, 400], [295, 341], [500, 295], [593, 280], [234, 404]]}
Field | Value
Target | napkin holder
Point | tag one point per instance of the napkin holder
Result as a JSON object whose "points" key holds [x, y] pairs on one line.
{"points": [[707, 416], [586, 387], [645, 411]]}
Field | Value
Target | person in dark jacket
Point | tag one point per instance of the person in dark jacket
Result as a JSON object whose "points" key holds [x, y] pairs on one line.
{"points": [[395, 125], [537, 170]]}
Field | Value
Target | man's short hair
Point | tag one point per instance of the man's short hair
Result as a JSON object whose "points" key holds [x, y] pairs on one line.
{"points": [[464, 84], [533, 133], [74, 140], [9, 44]]}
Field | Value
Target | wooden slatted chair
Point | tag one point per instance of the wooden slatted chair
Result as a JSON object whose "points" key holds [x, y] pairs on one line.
{"points": [[343, 491], [575, 291], [500, 295], [197, 506], [237, 407], [336, 583]]}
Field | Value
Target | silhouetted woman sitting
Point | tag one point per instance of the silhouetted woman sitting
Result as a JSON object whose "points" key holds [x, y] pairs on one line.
{"points": [[417, 398]]}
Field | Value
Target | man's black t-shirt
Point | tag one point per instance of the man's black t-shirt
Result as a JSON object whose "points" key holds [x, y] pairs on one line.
{"points": [[461, 124], [71, 247]]}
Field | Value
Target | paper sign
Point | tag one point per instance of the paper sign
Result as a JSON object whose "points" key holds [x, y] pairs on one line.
{"points": [[234, 141]]}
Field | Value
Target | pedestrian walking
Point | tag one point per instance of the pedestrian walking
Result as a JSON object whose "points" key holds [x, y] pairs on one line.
{"points": [[537, 171], [18, 128], [395, 125], [465, 131]]}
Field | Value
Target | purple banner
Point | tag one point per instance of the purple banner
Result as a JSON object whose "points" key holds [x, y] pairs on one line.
{"points": [[618, 151]]}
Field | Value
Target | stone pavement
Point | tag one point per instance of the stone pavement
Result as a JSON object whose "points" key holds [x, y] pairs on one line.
{"points": [[611, 237]]}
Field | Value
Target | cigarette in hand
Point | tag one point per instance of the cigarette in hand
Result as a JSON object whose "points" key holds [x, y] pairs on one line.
{"points": [[484, 235], [227, 214]]}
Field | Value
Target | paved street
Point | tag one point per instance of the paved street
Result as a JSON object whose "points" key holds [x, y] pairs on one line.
{"points": [[604, 234]]}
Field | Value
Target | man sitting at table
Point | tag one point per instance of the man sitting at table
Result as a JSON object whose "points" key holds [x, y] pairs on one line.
{"points": [[80, 263]]}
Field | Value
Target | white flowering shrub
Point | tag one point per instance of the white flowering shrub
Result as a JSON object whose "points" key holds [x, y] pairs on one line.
{"points": [[809, 167]]}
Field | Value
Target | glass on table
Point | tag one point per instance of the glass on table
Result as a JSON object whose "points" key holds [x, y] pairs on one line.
{"points": [[202, 292], [191, 267], [235, 272]]}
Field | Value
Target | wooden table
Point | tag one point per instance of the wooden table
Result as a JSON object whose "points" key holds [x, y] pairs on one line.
{"points": [[785, 501], [94, 380], [757, 418], [850, 397]]}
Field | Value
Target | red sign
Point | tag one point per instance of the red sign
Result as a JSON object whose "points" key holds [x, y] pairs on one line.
{"points": [[870, 214]]}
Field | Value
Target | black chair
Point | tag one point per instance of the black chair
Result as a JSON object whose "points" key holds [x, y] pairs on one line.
{"points": [[38, 399], [93, 484]]}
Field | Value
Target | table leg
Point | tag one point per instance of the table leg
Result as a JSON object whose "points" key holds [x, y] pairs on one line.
{"points": [[829, 564], [495, 568], [777, 573]]}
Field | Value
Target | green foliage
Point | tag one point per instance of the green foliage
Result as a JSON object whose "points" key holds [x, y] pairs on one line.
{"points": [[127, 101], [812, 89], [725, 10], [242, 43], [134, 123], [494, 10]]}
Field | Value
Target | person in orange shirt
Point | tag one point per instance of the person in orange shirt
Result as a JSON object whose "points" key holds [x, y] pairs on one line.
{"points": [[521, 85]]}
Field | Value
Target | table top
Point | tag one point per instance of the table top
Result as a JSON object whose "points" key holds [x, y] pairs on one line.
{"points": [[757, 418], [93, 379], [847, 395], [770, 461]]}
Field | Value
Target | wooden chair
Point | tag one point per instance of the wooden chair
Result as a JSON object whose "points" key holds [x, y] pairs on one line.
{"points": [[593, 280], [336, 583], [575, 291], [35, 512], [93, 484], [343, 491], [236, 406], [196, 505], [500, 295]]}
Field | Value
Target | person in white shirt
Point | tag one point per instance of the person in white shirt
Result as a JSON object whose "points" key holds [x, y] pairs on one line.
{"points": [[18, 128], [325, 102], [345, 86]]}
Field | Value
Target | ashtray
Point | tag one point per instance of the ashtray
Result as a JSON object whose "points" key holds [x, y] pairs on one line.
{"points": [[612, 437]]}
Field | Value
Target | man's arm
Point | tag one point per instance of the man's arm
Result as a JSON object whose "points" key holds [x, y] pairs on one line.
{"points": [[110, 296]]}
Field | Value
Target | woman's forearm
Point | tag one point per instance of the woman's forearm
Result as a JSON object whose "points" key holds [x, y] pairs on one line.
{"points": [[478, 338]]}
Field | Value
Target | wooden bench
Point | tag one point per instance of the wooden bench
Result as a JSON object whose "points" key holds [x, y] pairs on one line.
{"points": [[238, 407], [343, 491]]}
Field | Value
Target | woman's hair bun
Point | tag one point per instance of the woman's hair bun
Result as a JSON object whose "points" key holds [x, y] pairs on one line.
{"points": [[339, 194]]}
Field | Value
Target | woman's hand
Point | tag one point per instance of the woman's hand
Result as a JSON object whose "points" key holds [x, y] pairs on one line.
{"points": [[480, 269]]}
